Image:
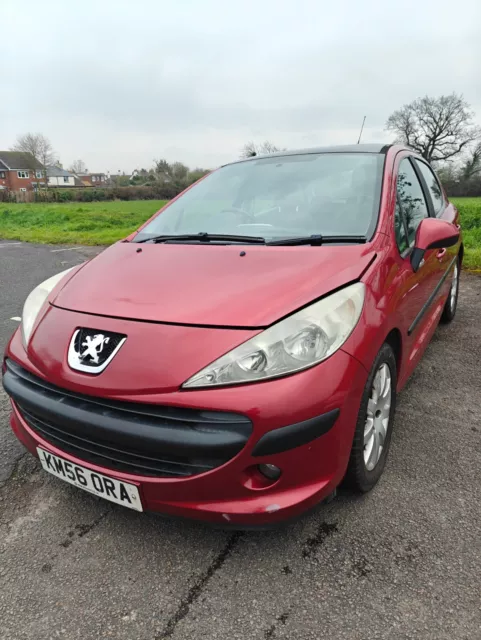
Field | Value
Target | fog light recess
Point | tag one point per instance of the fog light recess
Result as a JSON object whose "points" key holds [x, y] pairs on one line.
{"points": [[270, 471]]}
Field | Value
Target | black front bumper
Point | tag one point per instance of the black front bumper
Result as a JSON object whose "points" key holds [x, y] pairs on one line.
{"points": [[141, 439]]}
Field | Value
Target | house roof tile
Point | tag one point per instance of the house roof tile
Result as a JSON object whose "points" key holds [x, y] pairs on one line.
{"points": [[19, 160], [53, 172]]}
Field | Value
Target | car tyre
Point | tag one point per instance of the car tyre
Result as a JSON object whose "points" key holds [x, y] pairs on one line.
{"points": [[450, 307], [372, 435]]}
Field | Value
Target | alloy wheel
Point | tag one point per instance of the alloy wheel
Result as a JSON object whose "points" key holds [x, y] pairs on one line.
{"points": [[454, 288], [378, 413]]}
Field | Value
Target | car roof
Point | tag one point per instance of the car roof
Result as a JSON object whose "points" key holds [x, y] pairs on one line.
{"points": [[346, 148]]}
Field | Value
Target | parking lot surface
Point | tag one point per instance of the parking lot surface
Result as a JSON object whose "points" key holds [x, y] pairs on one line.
{"points": [[401, 562]]}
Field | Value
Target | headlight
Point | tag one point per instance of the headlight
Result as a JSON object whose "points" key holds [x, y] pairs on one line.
{"points": [[34, 303], [298, 342]]}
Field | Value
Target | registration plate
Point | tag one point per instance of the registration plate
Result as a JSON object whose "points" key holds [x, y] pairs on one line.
{"points": [[111, 489]]}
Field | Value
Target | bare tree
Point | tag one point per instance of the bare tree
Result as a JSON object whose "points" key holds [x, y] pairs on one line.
{"points": [[268, 147], [38, 147], [437, 128], [78, 166], [251, 149]]}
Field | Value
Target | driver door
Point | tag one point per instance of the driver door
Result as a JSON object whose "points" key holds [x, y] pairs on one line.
{"points": [[418, 309]]}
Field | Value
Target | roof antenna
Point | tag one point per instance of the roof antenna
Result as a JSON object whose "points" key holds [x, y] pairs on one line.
{"points": [[362, 127]]}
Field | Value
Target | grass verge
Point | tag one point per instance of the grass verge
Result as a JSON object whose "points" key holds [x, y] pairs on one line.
{"points": [[88, 223], [470, 212]]}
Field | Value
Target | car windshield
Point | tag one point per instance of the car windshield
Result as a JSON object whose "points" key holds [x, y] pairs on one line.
{"points": [[327, 194]]}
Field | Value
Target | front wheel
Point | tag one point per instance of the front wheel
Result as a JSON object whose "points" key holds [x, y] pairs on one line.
{"points": [[449, 310], [372, 436]]}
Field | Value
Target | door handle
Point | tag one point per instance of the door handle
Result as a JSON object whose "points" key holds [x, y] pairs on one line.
{"points": [[440, 254]]}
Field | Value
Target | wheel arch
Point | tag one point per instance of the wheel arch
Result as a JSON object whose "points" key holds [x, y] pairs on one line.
{"points": [[394, 340]]}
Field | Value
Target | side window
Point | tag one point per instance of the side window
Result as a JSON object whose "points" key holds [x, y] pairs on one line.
{"points": [[400, 230], [433, 186], [411, 199]]}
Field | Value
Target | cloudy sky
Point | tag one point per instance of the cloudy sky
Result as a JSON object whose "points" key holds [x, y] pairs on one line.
{"points": [[118, 83]]}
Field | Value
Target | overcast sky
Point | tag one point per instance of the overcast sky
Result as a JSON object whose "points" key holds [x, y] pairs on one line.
{"points": [[118, 84]]}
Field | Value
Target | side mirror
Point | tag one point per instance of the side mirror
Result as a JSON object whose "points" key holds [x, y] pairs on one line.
{"points": [[432, 234]]}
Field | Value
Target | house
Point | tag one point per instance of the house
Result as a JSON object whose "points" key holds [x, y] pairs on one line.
{"points": [[92, 179], [19, 171], [143, 174], [57, 177], [3, 175]]}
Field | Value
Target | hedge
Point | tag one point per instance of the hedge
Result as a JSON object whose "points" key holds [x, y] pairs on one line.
{"points": [[158, 192]]}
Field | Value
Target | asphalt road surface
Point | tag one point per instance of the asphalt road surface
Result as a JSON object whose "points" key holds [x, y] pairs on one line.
{"points": [[402, 562]]}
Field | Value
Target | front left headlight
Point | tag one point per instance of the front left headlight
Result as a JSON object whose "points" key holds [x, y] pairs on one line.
{"points": [[298, 342], [34, 303]]}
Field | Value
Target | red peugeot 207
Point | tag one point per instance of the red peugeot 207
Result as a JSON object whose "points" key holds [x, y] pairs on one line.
{"points": [[239, 356]]}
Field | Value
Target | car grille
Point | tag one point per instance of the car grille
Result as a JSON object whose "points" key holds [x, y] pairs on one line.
{"points": [[137, 438], [106, 455]]}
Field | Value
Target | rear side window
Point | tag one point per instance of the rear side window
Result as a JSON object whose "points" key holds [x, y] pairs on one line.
{"points": [[434, 188], [411, 199]]}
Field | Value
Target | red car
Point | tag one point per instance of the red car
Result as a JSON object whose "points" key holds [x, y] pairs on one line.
{"points": [[239, 356]]}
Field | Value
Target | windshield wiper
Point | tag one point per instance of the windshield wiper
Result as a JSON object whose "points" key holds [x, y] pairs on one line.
{"points": [[318, 240], [205, 237]]}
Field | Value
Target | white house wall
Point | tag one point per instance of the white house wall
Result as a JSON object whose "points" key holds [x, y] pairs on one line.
{"points": [[57, 181]]}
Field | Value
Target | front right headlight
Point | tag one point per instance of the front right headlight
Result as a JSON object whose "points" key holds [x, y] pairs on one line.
{"points": [[34, 303], [298, 342]]}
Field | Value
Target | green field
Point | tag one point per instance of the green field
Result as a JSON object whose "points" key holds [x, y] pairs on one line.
{"points": [[470, 211], [105, 222], [74, 222]]}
